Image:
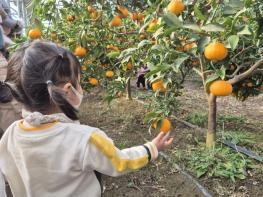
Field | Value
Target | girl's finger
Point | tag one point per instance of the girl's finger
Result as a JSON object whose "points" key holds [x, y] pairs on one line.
{"points": [[169, 142], [165, 137]]}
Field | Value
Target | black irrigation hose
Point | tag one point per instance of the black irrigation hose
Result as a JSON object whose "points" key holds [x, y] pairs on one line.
{"points": [[200, 187]]}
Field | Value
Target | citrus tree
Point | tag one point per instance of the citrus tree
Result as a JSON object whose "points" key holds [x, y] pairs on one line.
{"points": [[97, 32], [219, 39]]}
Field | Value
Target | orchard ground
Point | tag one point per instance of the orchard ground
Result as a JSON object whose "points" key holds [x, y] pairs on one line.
{"points": [[123, 122]]}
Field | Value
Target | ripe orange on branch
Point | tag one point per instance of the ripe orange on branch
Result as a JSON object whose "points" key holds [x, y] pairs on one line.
{"points": [[93, 81], [188, 46], [216, 51], [123, 11], [140, 16], [116, 21], [34, 33], [221, 88], [165, 127], [70, 18], [91, 9], [112, 47], [158, 86], [176, 7], [129, 66], [134, 16], [152, 26], [94, 15], [109, 74], [80, 51]]}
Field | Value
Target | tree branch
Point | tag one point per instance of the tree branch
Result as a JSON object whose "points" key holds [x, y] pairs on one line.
{"points": [[247, 73], [203, 74], [239, 53]]}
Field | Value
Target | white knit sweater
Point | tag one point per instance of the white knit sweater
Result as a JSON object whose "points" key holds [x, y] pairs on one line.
{"points": [[54, 157]]}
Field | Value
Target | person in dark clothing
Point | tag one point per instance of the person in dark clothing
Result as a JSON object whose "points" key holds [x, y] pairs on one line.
{"points": [[140, 76]]}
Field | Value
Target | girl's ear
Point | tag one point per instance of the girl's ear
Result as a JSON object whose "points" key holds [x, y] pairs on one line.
{"points": [[67, 87]]}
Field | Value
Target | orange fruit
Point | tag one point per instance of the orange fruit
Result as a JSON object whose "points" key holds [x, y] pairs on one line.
{"points": [[188, 46], [34, 33], [124, 12], [158, 86], [80, 51], [165, 127], [129, 66], [142, 37], [250, 84], [87, 62], [221, 88], [140, 16], [114, 48], [70, 18], [216, 51], [94, 15], [90, 9], [152, 25], [109, 74], [53, 35], [176, 7], [116, 21], [195, 62], [93, 81], [134, 16]]}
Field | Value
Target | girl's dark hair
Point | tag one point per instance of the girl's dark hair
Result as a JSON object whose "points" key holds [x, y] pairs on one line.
{"points": [[34, 73]]}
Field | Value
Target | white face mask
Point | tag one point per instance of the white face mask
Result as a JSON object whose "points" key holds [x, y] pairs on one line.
{"points": [[80, 97]]}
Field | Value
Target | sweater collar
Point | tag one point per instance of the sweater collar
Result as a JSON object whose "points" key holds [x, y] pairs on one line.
{"points": [[36, 118]]}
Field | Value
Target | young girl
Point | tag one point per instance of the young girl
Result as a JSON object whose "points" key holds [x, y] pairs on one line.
{"points": [[48, 153]]}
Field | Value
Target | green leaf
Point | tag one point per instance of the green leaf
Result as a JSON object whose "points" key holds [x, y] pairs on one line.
{"points": [[209, 80], [143, 43], [192, 26], [202, 43], [197, 71], [169, 30], [157, 47], [113, 54], [229, 10], [241, 176], [158, 32], [200, 172], [149, 116], [233, 41], [213, 28], [198, 13], [245, 31], [178, 62], [172, 20], [236, 4]]}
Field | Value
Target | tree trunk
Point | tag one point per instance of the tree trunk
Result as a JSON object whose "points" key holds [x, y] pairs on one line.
{"points": [[128, 89], [211, 132]]}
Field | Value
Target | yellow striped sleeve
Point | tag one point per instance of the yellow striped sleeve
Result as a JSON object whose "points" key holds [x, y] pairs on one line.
{"points": [[110, 151], [153, 150]]}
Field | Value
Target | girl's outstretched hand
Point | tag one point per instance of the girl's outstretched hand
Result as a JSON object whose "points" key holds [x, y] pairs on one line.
{"points": [[162, 141]]}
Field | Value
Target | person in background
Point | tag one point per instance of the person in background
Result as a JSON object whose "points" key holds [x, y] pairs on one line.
{"points": [[140, 76], [10, 110]]}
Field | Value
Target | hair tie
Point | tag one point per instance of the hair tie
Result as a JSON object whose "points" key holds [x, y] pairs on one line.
{"points": [[2, 82], [49, 82], [60, 56]]}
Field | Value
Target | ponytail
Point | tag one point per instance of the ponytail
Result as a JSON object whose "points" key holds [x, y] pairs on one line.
{"points": [[5, 93], [58, 96]]}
